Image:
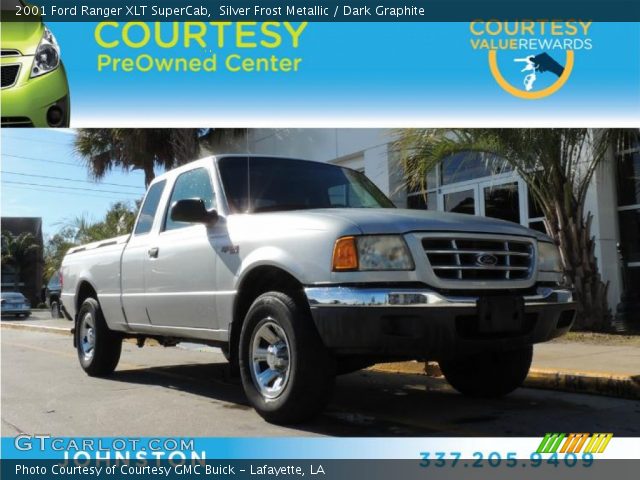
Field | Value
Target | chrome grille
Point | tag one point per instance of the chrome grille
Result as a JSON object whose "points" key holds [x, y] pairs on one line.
{"points": [[463, 258]]}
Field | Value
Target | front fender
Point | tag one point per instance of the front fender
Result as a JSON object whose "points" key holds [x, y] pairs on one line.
{"points": [[271, 256]]}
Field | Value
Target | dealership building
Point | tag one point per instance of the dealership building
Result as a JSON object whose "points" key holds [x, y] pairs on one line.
{"points": [[468, 185]]}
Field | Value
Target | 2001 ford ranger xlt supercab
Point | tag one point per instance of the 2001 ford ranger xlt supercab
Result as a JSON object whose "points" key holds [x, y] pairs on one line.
{"points": [[301, 270]]}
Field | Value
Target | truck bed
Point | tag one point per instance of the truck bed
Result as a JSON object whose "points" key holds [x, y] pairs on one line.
{"points": [[97, 263]]}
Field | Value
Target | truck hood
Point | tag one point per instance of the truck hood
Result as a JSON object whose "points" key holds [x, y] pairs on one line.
{"points": [[401, 221], [22, 36]]}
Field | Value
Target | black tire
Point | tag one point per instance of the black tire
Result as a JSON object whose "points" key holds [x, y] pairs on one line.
{"points": [[311, 370], [107, 344], [55, 310], [489, 374]]}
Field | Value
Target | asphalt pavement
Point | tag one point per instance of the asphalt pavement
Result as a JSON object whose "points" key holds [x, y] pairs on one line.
{"points": [[189, 392]]}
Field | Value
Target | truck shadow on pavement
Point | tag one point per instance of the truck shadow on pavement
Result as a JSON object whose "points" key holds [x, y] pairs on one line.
{"points": [[369, 403]]}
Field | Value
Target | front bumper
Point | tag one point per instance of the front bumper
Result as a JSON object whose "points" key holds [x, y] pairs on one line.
{"points": [[409, 323], [27, 102]]}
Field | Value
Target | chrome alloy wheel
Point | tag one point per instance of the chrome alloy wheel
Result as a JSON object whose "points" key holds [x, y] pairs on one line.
{"points": [[270, 363], [87, 336]]}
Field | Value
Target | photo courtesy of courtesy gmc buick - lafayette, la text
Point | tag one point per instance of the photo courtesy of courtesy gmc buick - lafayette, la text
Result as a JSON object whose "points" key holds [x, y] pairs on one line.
{"points": [[300, 271]]}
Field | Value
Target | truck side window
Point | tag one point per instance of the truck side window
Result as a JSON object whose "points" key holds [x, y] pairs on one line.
{"points": [[148, 211], [192, 184]]}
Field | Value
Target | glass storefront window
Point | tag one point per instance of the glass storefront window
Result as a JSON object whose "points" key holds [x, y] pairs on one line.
{"points": [[420, 202], [630, 235], [629, 179], [502, 201], [432, 179], [628, 183], [460, 202], [470, 166], [432, 183], [538, 225], [535, 210], [631, 278]]}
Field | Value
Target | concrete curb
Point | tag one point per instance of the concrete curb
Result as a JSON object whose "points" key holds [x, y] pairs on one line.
{"points": [[597, 383], [37, 328], [56, 330]]}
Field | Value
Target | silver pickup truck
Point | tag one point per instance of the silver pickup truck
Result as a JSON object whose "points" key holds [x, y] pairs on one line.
{"points": [[301, 270]]}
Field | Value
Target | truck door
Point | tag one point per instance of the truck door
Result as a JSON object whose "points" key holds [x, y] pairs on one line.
{"points": [[133, 258], [181, 262]]}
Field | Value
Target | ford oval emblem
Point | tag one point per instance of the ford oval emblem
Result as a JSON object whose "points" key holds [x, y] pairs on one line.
{"points": [[486, 260]]}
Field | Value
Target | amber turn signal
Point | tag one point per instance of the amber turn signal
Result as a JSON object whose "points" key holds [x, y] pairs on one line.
{"points": [[345, 254]]}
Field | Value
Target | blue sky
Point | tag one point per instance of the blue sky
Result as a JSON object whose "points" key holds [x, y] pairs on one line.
{"points": [[29, 155]]}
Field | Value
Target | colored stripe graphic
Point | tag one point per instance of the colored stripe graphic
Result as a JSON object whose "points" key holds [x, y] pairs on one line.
{"points": [[598, 442], [574, 442], [550, 443]]}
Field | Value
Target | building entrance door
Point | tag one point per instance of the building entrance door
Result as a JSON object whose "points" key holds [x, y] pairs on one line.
{"points": [[496, 199]]}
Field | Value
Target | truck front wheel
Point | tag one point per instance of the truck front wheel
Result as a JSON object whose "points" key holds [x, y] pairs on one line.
{"points": [[98, 347], [286, 371], [489, 374]]}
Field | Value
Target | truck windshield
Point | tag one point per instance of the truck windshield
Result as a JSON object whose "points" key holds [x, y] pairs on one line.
{"points": [[255, 184]]}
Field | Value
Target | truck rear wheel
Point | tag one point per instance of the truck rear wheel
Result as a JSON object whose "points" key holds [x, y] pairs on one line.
{"points": [[98, 347], [489, 374], [286, 371]]}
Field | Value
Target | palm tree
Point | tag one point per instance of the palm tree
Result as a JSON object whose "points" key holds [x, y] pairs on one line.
{"points": [[17, 251], [557, 165], [145, 149], [118, 220]]}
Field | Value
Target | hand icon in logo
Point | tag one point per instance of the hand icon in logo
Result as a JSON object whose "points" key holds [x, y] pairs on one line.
{"points": [[538, 64], [544, 63]]}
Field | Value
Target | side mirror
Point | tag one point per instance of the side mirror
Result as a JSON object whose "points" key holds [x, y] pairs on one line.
{"points": [[192, 210]]}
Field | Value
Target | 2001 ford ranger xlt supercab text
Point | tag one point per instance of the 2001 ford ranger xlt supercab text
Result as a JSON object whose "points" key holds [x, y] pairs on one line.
{"points": [[301, 270]]}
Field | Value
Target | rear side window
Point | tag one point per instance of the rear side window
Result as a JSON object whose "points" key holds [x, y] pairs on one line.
{"points": [[234, 173], [192, 184], [149, 208]]}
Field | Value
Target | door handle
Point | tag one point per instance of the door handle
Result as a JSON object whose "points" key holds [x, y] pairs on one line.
{"points": [[153, 252]]}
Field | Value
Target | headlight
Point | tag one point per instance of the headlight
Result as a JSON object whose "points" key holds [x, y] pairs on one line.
{"points": [[549, 258], [376, 252], [47, 57]]}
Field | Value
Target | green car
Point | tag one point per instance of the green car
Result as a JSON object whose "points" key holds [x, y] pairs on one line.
{"points": [[35, 92]]}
